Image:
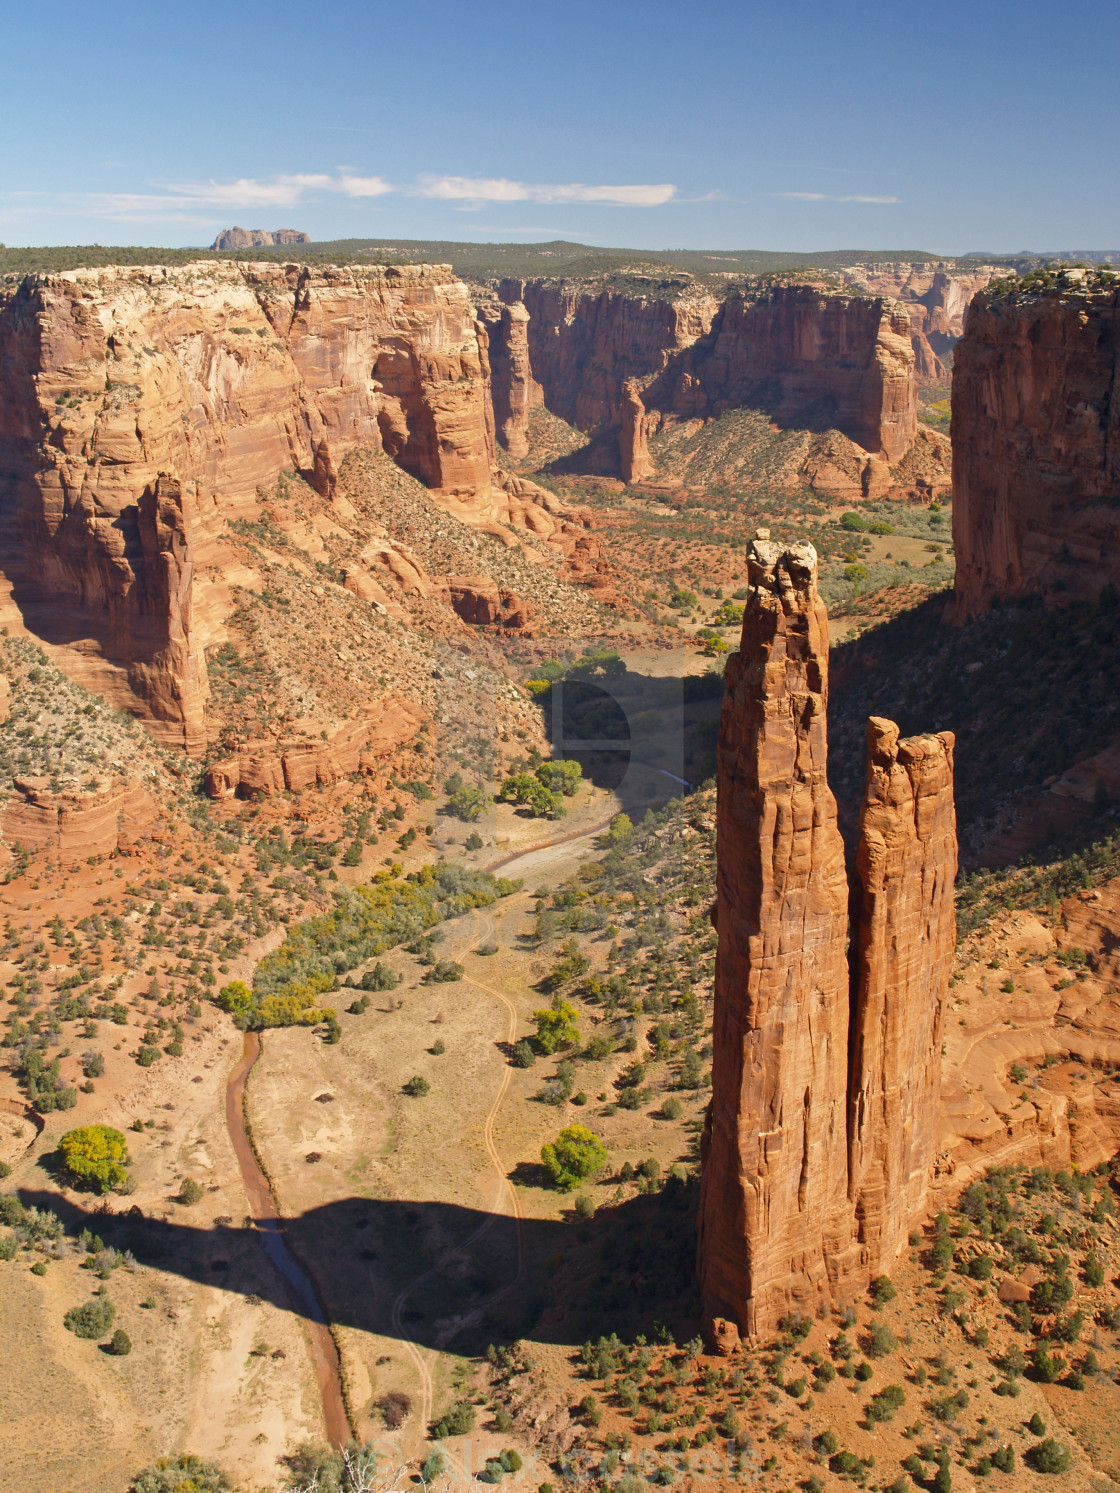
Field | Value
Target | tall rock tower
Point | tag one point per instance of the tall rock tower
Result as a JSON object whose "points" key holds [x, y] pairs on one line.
{"points": [[822, 1124]]}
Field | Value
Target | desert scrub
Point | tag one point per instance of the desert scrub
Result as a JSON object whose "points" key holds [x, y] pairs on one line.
{"points": [[365, 921]]}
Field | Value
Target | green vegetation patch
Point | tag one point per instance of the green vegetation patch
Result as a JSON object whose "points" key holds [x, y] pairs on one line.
{"points": [[365, 921]]}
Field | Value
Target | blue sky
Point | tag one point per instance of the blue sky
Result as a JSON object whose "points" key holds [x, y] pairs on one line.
{"points": [[789, 125]]}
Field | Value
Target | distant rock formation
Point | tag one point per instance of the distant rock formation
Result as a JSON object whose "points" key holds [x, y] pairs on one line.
{"points": [[937, 298], [624, 366], [1036, 447], [251, 238], [821, 1131], [73, 820], [514, 389]]}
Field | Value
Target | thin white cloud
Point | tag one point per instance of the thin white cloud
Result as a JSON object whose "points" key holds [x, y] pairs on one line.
{"points": [[364, 186], [501, 189], [198, 202], [831, 197]]}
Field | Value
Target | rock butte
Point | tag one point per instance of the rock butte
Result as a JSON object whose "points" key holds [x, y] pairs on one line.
{"points": [[143, 408], [1036, 448], [823, 1124]]}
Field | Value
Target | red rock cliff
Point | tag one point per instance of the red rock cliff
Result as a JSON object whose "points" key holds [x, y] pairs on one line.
{"points": [[804, 353], [1036, 448], [937, 298], [823, 1122], [140, 408]]}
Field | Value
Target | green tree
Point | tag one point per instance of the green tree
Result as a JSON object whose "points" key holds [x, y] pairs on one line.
{"points": [[469, 803], [557, 1027], [560, 776], [96, 1155], [120, 1343], [576, 1154], [417, 1086], [1049, 1456]]}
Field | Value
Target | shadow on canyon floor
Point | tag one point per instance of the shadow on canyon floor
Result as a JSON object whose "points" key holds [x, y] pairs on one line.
{"points": [[629, 1269]]}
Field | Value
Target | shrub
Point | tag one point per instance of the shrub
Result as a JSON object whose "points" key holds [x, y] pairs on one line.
{"points": [[435, 1466], [1049, 1456], [183, 1474], [1036, 1425], [96, 1155], [671, 1109], [120, 1343], [1004, 1458], [880, 1341], [92, 1320], [844, 1463], [556, 1027], [854, 523], [864, 1372], [455, 1422], [523, 1054], [883, 1290], [417, 1087], [395, 1407], [190, 1192], [576, 1154], [980, 1267], [1046, 1366], [826, 1443], [883, 1405]]}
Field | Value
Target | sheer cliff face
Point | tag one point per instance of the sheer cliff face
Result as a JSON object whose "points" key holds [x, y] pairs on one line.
{"points": [[140, 408], [905, 936], [801, 353], [936, 297], [1036, 449], [795, 347], [774, 1215], [823, 1122]]}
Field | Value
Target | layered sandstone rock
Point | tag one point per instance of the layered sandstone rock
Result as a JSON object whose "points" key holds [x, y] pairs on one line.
{"points": [[1036, 449], [633, 448], [775, 1221], [823, 1124], [261, 769], [514, 390], [622, 366], [142, 408], [936, 296], [906, 864], [480, 601], [73, 820]]}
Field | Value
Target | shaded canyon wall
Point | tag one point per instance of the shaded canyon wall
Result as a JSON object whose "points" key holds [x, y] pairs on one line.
{"points": [[1036, 449]]}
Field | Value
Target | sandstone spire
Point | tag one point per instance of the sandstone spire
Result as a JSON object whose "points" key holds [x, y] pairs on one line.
{"points": [[824, 1115], [906, 932], [774, 1209]]}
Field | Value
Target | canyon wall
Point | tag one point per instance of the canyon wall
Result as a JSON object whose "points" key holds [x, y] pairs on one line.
{"points": [[936, 297], [140, 409], [1036, 448], [622, 365], [822, 1128]]}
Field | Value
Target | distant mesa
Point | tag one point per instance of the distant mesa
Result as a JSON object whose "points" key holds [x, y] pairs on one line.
{"points": [[253, 238]]}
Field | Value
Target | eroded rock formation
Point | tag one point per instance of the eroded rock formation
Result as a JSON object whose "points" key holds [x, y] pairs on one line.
{"points": [[261, 769], [937, 298], [822, 1128], [906, 864], [253, 238], [73, 820], [514, 390], [1036, 448], [774, 1212]]}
